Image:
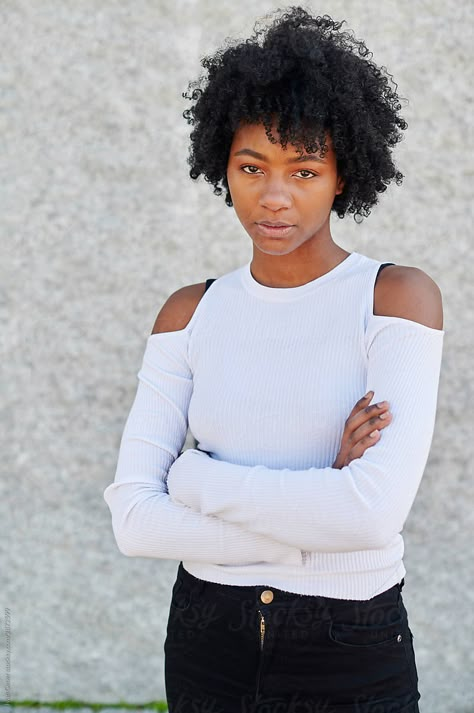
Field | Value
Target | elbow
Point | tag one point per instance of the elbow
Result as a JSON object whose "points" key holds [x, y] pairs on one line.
{"points": [[124, 537], [381, 537], [376, 529], [371, 536], [117, 529], [125, 546], [383, 528], [128, 535], [123, 541]]}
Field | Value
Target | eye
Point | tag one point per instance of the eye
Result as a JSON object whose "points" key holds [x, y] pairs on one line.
{"points": [[253, 173], [249, 166], [311, 173]]}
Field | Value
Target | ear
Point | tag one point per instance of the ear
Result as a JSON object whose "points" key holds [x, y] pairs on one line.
{"points": [[340, 186]]}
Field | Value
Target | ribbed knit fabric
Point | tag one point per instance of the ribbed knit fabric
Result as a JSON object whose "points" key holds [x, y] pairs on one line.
{"points": [[266, 378]]}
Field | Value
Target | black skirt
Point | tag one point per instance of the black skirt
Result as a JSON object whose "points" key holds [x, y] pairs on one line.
{"points": [[258, 649]]}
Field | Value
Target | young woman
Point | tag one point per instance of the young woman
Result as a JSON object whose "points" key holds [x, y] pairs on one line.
{"points": [[309, 378]]}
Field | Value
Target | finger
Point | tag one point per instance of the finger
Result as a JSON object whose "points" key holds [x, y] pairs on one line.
{"points": [[367, 413], [362, 403], [359, 449], [376, 421]]}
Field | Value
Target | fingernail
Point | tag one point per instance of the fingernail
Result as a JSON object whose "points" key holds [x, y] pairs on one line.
{"points": [[369, 393]]}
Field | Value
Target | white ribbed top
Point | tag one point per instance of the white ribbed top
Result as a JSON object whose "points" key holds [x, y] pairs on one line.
{"points": [[265, 377]]}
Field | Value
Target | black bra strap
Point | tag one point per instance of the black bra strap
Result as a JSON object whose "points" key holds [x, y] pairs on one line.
{"points": [[381, 268], [209, 282]]}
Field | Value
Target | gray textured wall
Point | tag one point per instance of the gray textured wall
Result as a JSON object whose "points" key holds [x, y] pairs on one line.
{"points": [[99, 224]]}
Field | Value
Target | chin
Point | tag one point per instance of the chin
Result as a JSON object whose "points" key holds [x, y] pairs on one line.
{"points": [[277, 250]]}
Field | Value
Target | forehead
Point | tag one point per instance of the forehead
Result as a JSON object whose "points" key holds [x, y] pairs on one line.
{"points": [[254, 136]]}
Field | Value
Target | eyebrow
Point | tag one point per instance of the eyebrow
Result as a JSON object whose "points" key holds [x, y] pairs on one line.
{"points": [[300, 159]]}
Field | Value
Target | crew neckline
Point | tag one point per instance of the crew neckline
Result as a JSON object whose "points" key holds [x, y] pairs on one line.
{"points": [[286, 294]]}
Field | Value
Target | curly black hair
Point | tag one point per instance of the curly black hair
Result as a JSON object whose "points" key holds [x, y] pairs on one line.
{"points": [[304, 71]]}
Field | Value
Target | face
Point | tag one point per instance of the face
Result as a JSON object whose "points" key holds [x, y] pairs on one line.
{"points": [[277, 186]]}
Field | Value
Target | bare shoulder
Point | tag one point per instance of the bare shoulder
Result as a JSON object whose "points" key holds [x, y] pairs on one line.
{"points": [[408, 292], [179, 308]]}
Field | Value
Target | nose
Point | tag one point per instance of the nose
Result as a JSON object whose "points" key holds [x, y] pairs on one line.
{"points": [[274, 196]]}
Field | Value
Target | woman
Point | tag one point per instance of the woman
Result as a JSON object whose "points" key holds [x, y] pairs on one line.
{"points": [[287, 517]]}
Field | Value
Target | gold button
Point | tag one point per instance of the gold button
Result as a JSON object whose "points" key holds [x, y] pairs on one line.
{"points": [[266, 596]]}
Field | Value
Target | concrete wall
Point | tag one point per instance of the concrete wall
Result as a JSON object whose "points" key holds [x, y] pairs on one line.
{"points": [[99, 224]]}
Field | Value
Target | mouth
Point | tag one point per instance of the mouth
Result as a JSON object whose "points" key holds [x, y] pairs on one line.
{"points": [[274, 230]]}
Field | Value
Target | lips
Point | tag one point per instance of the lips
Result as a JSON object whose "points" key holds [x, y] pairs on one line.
{"points": [[274, 230], [275, 225]]}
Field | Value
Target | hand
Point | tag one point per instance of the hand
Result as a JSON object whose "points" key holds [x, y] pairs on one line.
{"points": [[363, 421]]}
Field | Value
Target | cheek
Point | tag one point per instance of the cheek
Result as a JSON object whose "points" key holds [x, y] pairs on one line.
{"points": [[235, 185], [239, 189]]}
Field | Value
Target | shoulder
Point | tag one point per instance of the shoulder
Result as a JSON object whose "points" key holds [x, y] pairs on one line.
{"points": [[408, 292], [179, 308]]}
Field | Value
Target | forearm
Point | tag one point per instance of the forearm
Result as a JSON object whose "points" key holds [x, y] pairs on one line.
{"points": [[298, 508], [146, 523], [361, 506]]}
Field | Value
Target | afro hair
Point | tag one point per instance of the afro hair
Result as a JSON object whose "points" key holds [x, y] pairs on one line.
{"points": [[315, 79]]}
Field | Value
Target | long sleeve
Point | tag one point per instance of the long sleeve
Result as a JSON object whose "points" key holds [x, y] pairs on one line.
{"points": [[145, 521], [361, 506]]}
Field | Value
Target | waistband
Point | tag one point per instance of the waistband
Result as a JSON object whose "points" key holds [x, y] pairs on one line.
{"points": [[282, 597]]}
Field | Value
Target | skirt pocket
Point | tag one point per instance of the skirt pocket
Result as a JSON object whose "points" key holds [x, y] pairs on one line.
{"points": [[367, 635], [375, 657]]}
